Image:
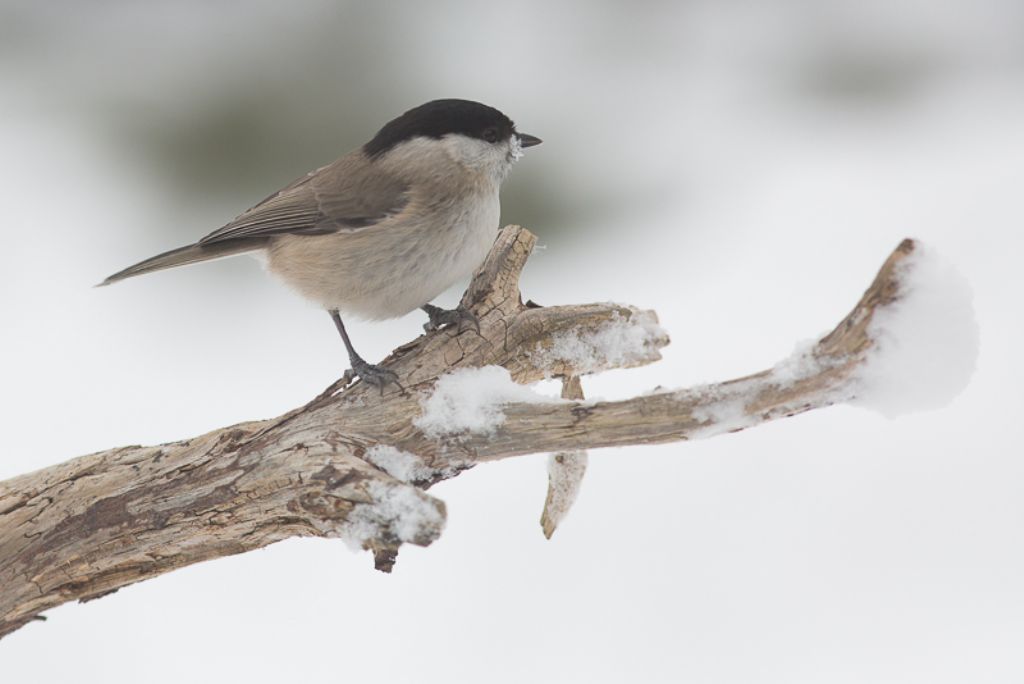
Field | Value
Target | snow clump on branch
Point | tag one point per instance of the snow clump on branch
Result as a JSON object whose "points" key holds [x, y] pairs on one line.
{"points": [[925, 343], [621, 342], [469, 400]]}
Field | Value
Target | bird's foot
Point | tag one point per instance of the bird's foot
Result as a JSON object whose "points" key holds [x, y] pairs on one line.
{"points": [[443, 317], [376, 376]]}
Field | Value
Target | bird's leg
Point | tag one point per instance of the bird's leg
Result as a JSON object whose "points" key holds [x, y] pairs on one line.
{"points": [[439, 317], [367, 372]]}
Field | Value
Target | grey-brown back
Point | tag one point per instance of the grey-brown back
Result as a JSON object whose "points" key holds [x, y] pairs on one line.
{"points": [[348, 195]]}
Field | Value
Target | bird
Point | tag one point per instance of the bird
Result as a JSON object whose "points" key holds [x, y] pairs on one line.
{"points": [[384, 229]]}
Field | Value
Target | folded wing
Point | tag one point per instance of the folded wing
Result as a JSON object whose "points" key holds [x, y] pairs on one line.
{"points": [[350, 194]]}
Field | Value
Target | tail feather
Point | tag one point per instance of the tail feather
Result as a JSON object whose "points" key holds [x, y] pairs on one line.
{"points": [[189, 254]]}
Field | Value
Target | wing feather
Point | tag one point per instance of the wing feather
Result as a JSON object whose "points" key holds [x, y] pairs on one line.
{"points": [[351, 194]]}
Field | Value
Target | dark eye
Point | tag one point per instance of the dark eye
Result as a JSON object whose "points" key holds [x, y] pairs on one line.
{"points": [[491, 135]]}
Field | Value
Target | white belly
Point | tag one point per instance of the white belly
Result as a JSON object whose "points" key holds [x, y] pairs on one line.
{"points": [[389, 269]]}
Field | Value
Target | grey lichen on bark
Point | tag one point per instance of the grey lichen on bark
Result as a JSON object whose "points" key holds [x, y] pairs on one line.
{"points": [[94, 524]]}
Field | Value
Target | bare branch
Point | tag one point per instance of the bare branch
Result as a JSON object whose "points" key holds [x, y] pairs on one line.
{"points": [[353, 464]]}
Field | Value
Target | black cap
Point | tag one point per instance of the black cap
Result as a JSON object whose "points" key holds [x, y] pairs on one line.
{"points": [[438, 118]]}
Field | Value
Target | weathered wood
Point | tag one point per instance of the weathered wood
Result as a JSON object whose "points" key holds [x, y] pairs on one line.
{"points": [[565, 471], [87, 527]]}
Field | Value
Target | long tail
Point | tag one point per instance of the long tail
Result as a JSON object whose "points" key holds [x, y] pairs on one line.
{"points": [[190, 254]]}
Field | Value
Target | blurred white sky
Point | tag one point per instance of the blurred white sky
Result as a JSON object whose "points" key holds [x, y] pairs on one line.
{"points": [[742, 168]]}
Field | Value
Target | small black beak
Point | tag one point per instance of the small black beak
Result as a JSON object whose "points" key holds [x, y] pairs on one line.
{"points": [[527, 140]]}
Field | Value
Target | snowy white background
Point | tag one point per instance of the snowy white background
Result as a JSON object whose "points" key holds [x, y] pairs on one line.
{"points": [[742, 168]]}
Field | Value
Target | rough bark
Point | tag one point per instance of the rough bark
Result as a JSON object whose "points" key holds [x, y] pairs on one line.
{"points": [[87, 527]]}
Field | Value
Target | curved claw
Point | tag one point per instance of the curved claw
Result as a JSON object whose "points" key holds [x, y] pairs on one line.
{"points": [[443, 317], [376, 376]]}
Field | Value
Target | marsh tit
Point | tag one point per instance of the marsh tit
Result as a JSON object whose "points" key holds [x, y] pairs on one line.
{"points": [[387, 227]]}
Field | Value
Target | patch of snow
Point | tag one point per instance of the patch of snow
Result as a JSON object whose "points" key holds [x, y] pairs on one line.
{"points": [[619, 342], [469, 400], [515, 148], [405, 466], [724, 408], [802, 363], [926, 342], [724, 412], [399, 464], [401, 512]]}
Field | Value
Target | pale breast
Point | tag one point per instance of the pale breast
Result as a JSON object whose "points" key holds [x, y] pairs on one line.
{"points": [[394, 267]]}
